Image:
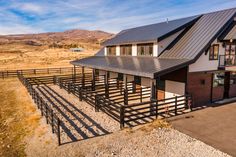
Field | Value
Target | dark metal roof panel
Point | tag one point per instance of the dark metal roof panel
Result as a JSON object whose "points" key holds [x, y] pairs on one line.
{"points": [[139, 66], [231, 34], [148, 33], [199, 35]]}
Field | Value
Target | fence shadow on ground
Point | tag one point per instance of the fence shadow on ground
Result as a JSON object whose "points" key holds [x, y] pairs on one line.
{"points": [[76, 125]]}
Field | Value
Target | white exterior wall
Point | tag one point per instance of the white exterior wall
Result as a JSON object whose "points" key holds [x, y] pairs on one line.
{"points": [[155, 49], [134, 50], [118, 50], [173, 88], [204, 64], [105, 51]]}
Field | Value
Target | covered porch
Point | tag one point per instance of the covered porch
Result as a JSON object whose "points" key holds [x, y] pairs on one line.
{"points": [[131, 88]]}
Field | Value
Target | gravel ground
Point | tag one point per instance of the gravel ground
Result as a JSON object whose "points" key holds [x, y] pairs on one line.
{"points": [[80, 119], [146, 140]]}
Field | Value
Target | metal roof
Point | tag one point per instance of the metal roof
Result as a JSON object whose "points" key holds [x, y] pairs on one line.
{"points": [[149, 32], [200, 36], [231, 34], [132, 65]]}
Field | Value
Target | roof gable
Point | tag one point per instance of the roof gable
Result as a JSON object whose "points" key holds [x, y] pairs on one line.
{"points": [[151, 32], [200, 35]]}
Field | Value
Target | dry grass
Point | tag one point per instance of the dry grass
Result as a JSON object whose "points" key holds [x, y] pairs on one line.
{"points": [[17, 118], [20, 56]]}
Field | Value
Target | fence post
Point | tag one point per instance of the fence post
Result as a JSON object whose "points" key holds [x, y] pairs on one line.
{"points": [[97, 103], [134, 87], [52, 121], [54, 80], [80, 94], [175, 105], [122, 117], [58, 131], [46, 109], [125, 96], [69, 87], [156, 109], [141, 94]]}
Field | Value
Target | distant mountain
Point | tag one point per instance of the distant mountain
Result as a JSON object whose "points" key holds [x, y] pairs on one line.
{"points": [[64, 38]]}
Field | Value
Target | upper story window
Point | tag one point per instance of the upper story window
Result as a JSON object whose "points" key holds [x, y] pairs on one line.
{"points": [[145, 49], [111, 50], [126, 50], [214, 52]]}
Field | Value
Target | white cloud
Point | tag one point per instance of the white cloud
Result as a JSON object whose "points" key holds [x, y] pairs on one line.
{"points": [[109, 16], [18, 29]]}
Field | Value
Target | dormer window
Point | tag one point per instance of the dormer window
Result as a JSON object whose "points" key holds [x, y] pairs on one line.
{"points": [[111, 50], [214, 52], [145, 49], [126, 50]]}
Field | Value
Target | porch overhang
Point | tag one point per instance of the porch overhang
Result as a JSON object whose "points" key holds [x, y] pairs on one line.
{"points": [[150, 67]]}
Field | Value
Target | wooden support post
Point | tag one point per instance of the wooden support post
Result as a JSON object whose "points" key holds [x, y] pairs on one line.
{"points": [[97, 103], [125, 91], [134, 87], [153, 96], [74, 74], [93, 80], [83, 78], [122, 117], [80, 94], [106, 85], [58, 131], [141, 94], [176, 105], [52, 121]]}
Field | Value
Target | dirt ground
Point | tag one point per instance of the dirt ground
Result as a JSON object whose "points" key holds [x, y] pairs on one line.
{"points": [[18, 118]]}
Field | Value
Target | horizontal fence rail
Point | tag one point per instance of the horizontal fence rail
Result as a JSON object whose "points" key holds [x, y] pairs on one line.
{"points": [[43, 71], [46, 111]]}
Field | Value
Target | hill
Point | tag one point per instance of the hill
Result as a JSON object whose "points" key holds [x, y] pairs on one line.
{"points": [[48, 49]]}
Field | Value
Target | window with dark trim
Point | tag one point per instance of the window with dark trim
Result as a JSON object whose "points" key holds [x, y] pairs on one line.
{"points": [[126, 50], [145, 49], [111, 50], [218, 79], [214, 52]]}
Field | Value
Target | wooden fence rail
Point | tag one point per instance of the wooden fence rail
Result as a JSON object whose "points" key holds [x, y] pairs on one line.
{"points": [[43, 71], [51, 117]]}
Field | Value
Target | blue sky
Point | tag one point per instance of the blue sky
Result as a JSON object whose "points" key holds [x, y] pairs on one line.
{"points": [[36, 16]]}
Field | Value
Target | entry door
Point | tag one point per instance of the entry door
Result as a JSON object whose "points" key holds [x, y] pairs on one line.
{"points": [[226, 85]]}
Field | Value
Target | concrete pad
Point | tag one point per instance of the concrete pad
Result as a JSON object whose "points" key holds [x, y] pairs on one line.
{"points": [[214, 125]]}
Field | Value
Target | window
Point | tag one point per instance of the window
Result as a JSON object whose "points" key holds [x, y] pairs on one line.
{"points": [[137, 80], [145, 49], [214, 52], [120, 77], [218, 79], [126, 50], [111, 50], [233, 78], [161, 85]]}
